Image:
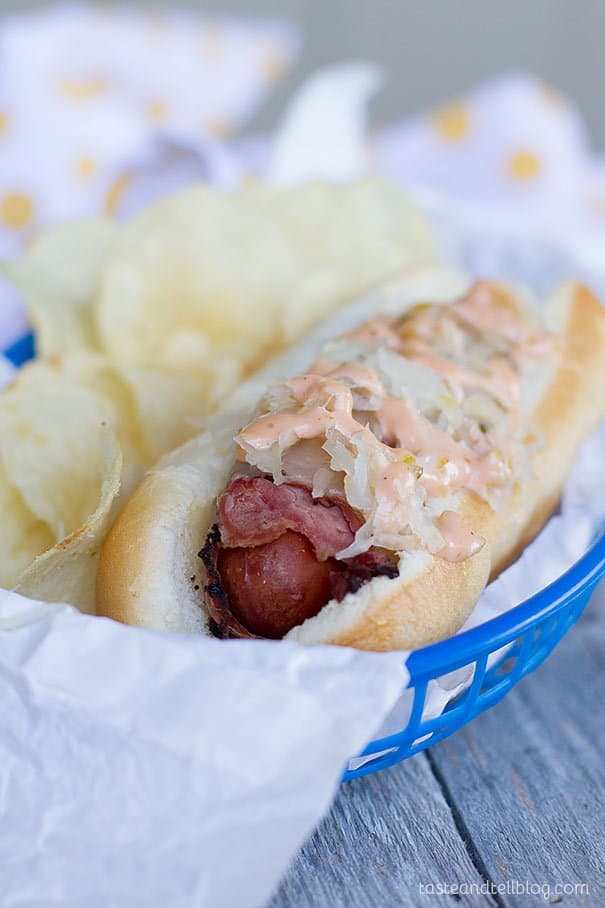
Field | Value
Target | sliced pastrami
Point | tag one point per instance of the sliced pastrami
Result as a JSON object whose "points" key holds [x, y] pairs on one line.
{"points": [[270, 561], [255, 511]]}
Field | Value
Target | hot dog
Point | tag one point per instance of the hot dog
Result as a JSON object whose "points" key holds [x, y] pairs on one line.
{"points": [[367, 499], [273, 559]]}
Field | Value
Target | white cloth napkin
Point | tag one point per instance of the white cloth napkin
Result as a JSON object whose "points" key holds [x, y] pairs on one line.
{"points": [[514, 153], [87, 91]]}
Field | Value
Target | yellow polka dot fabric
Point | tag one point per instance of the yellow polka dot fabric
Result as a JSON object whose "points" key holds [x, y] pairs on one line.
{"points": [[514, 151], [524, 165], [92, 96], [115, 193], [84, 88], [104, 108], [452, 123], [157, 110], [86, 167], [16, 209]]}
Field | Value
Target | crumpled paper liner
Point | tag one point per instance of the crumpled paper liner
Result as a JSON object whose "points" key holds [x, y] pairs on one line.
{"points": [[148, 769]]}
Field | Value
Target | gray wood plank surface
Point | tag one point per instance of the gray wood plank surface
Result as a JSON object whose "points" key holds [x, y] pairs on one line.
{"points": [[386, 834], [529, 777], [516, 797]]}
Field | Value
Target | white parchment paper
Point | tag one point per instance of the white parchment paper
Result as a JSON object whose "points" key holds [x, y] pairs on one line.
{"points": [[140, 768]]}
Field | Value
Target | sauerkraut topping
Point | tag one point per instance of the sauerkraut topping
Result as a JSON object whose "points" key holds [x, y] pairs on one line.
{"points": [[401, 414]]}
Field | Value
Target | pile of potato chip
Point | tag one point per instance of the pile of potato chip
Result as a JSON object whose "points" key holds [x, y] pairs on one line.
{"points": [[60, 471], [143, 327]]}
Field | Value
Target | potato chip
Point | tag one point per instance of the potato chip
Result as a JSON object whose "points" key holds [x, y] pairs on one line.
{"points": [[58, 278], [60, 466], [170, 407], [24, 536], [211, 283], [208, 283], [153, 411]]}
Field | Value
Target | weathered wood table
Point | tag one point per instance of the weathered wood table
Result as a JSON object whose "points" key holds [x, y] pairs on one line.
{"points": [[513, 803]]}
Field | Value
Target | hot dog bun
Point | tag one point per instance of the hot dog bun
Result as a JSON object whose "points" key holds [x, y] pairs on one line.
{"points": [[150, 573]]}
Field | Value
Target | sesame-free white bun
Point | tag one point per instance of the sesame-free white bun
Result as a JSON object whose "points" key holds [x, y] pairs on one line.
{"points": [[150, 573]]}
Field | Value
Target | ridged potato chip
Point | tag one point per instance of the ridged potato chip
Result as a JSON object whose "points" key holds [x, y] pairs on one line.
{"points": [[208, 283], [59, 278], [154, 411], [24, 536], [212, 282], [60, 467]]}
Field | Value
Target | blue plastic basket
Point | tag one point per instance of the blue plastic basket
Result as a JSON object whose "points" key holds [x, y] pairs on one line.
{"points": [[525, 634], [21, 351], [529, 632]]}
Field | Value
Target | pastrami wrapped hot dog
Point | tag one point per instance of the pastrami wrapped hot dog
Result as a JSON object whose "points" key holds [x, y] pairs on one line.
{"points": [[418, 444]]}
